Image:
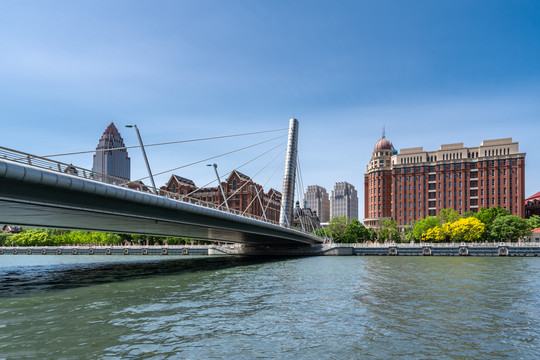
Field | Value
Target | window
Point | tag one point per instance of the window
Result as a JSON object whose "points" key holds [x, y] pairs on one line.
{"points": [[234, 184]]}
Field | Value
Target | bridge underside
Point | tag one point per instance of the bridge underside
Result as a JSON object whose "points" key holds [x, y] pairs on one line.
{"points": [[34, 204]]}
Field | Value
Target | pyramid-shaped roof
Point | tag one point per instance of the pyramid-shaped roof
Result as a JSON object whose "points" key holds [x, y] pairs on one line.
{"points": [[112, 130]]}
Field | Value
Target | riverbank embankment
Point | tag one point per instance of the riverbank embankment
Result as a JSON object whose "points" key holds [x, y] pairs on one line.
{"points": [[387, 249]]}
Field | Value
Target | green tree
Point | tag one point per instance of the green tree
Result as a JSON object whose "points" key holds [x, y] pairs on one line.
{"points": [[372, 234], [5, 239], [421, 227], [534, 222], [336, 228], [488, 216], [356, 232], [447, 216], [468, 214], [509, 228], [408, 233], [389, 231]]}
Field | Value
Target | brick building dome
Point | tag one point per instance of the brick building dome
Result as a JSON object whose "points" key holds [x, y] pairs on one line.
{"points": [[383, 144]]}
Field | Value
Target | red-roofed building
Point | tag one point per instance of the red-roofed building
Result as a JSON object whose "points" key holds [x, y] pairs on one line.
{"points": [[242, 192], [535, 235], [532, 205]]}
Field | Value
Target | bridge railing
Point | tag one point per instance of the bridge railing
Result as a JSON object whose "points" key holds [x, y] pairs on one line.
{"points": [[57, 166], [61, 167], [438, 245]]}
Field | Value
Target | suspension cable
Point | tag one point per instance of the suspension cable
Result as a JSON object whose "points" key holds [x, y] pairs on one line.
{"points": [[278, 179], [262, 188], [299, 209], [230, 172], [213, 157], [241, 187], [164, 143], [300, 180], [281, 178]]}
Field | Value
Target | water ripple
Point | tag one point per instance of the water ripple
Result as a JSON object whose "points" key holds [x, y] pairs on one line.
{"points": [[321, 307]]}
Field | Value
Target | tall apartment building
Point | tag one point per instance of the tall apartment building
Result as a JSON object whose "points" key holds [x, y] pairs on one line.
{"points": [[316, 198], [414, 183], [344, 201], [111, 162]]}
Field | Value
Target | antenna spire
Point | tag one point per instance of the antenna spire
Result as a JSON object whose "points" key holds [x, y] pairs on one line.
{"points": [[383, 134]]}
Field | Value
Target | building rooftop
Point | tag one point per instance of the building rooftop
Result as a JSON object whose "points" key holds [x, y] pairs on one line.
{"points": [[533, 197], [182, 180], [383, 144], [112, 130]]}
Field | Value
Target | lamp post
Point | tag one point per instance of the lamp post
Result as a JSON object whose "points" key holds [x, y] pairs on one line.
{"points": [[145, 158], [260, 202], [220, 186]]}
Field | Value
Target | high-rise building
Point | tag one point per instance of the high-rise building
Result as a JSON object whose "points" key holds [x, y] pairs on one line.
{"points": [[413, 184], [114, 163], [344, 201], [316, 198]]}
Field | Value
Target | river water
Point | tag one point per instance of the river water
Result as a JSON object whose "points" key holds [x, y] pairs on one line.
{"points": [[114, 307]]}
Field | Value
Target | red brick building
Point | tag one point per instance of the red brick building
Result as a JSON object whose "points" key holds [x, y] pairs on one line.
{"points": [[414, 183], [242, 193]]}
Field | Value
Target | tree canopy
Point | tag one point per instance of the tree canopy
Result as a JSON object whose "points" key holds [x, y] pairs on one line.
{"points": [[483, 225], [343, 230], [509, 228]]}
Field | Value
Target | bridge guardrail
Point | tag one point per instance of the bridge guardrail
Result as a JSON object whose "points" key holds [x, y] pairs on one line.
{"points": [[438, 245], [58, 166]]}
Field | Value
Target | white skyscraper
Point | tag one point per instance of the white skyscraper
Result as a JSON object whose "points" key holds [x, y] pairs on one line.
{"points": [[344, 201]]}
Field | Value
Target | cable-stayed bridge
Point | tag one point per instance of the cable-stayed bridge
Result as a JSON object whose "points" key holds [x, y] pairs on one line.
{"points": [[38, 191]]}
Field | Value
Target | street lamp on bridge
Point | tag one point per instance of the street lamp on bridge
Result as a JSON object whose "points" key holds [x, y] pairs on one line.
{"points": [[220, 186], [144, 155]]}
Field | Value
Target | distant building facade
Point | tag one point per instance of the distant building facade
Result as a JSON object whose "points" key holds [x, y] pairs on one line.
{"points": [[305, 218], [413, 184], [532, 205], [316, 198], [11, 229], [344, 201], [114, 163], [535, 235], [242, 192]]}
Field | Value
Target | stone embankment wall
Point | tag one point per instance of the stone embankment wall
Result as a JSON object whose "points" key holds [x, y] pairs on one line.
{"points": [[478, 249]]}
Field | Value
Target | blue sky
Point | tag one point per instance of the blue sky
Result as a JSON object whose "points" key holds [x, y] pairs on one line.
{"points": [[431, 72]]}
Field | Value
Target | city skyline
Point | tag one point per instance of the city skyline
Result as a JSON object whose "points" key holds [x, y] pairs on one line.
{"points": [[432, 74]]}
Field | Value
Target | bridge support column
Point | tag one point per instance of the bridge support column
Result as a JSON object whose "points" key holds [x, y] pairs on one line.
{"points": [[287, 202]]}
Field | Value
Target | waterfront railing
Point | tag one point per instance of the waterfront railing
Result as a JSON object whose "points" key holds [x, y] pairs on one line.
{"points": [[438, 245]]}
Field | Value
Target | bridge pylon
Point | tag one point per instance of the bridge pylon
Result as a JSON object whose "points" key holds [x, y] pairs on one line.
{"points": [[289, 178]]}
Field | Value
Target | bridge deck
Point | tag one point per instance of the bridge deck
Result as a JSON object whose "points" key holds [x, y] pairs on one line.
{"points": [[31, 196]]}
